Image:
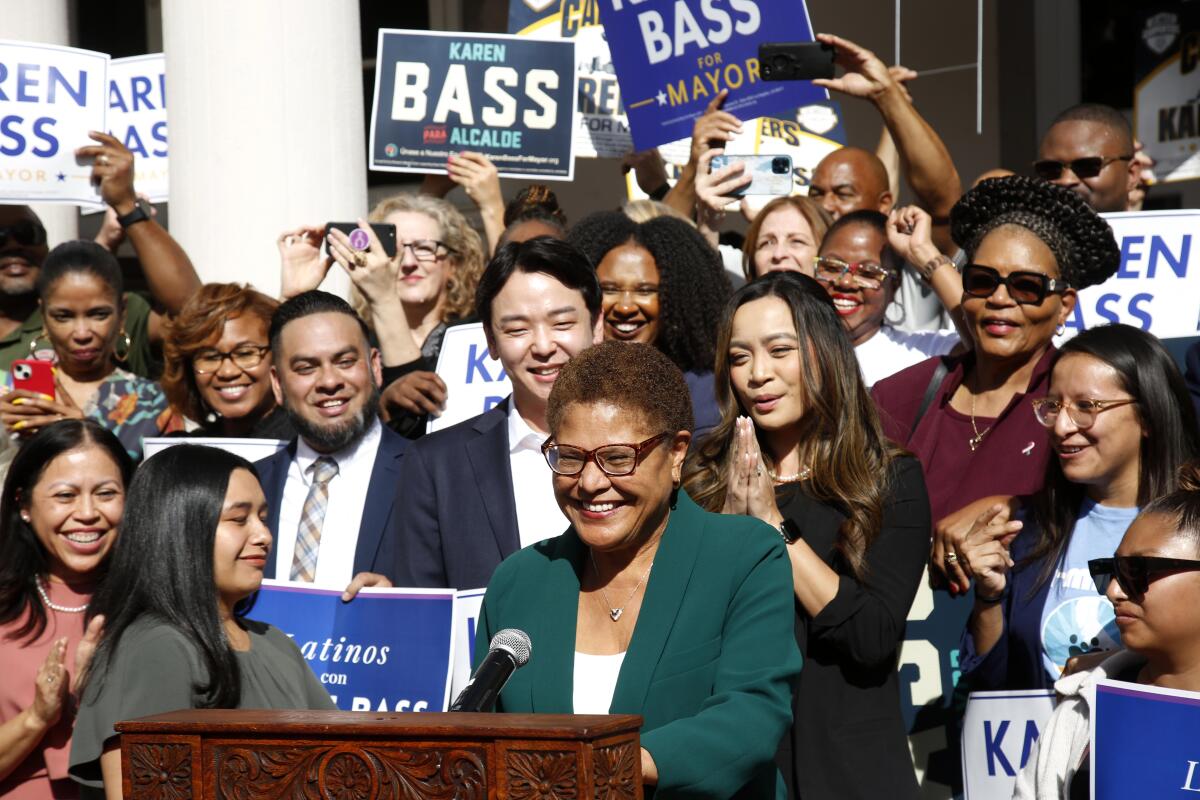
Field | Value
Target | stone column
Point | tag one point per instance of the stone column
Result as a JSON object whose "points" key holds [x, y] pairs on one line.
{"points": [[266, 128], [48, 22]]}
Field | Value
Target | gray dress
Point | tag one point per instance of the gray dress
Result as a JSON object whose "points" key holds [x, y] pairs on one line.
{"points": [[156, 668]]}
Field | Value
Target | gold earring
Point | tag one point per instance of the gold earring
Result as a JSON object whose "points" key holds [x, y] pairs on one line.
{"points": [[128, 346], [33, 345]]}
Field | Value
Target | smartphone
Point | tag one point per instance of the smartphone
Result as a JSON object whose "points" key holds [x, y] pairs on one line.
{"points": [[385, 231], [768, 174], [795, 61], [34, 375]]}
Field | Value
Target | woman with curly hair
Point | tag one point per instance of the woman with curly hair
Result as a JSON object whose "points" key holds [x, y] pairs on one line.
{"points": [[800, 447], [534, 211], [217, 368], [663, 285]]}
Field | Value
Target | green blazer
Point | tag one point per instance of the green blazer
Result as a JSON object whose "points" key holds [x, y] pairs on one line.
{"points": [[712, 660]]}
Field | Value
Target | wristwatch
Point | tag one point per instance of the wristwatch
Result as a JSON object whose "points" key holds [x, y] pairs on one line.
{"points": [[789, 530], [141, 211]]}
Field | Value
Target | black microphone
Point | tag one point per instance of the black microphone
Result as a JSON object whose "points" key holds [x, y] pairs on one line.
{"points": [[510, 649]]}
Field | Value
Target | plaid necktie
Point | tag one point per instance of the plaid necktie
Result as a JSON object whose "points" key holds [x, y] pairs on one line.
{"points": [[308, 537]]}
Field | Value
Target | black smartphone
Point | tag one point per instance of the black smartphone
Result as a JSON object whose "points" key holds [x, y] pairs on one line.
{"points": [[795, 61], [384, 230]]}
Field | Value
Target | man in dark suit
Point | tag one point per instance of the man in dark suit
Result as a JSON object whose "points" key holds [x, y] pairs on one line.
{"points": [[480, 490], [332, 490]]}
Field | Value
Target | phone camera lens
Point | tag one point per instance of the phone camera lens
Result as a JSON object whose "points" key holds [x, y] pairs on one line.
{"points": [[780, 166]]}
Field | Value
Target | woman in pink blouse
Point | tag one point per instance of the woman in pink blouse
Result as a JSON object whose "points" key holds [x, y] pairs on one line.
{"points": [[59, 511]]}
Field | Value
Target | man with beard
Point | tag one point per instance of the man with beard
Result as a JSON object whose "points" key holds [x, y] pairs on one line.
{"points": [[332, 489]]}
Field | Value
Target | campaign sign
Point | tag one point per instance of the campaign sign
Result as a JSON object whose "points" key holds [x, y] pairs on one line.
{"points": [[1145, 742], [467, 606], [475, 382], [674, 56], [508, 97], [1155, 287], [137, 115], [50, 97], [1166, 106], [998, 734], [601, 125], [250, 449], [385, 650]]}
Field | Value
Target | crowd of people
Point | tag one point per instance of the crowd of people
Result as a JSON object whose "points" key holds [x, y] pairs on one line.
{"points": [[715, 489]]}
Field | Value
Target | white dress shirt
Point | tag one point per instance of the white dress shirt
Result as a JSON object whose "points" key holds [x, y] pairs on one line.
{"points": [[595, 681], [343, 514], [538, 514]]}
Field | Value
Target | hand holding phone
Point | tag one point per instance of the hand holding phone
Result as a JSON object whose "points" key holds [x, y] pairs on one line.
{"points": [[34, 375], [769, 175], [795, 61], [386, 233]]}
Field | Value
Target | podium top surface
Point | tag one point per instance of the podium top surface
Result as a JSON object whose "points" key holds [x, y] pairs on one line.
{"points": [[425, 724]]}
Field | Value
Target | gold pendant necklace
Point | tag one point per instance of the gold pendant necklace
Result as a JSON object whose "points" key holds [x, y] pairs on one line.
{"points": [[978, 437]]}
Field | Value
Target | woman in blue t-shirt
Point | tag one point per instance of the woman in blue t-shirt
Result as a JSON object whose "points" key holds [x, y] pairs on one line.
{"points": [[1121, 424]]}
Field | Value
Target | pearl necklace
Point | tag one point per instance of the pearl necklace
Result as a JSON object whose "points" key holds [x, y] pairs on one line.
{"points": [[802, 475], [54, 606]]}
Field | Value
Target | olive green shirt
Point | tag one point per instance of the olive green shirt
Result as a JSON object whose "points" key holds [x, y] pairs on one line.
{"points": [[140, 360]]}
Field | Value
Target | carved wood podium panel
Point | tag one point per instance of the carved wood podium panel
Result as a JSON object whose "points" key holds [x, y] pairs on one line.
{"points": [[213, 754]]}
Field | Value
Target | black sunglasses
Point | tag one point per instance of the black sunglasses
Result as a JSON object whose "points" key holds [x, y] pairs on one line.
{"points": [[1134, 573], [26, 233], [1026, 288], [1090, 167]]}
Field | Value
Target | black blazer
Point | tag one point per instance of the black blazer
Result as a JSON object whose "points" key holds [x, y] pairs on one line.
{"points": [[460, 518], [848, 739], [376, 549]]}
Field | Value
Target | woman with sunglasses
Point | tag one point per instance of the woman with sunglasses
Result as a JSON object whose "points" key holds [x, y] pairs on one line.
{"points": [[648, 604], [218, 364], [1153, 584], [408, 299], [1030, 247], [1120, 426], [859, 265]]}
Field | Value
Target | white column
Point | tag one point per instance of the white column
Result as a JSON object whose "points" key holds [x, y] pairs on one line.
{"points": [[266, 128], [47, 22]]}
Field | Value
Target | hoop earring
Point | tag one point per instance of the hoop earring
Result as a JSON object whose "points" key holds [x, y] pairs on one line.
{"points": [[897, 304], [1060, 330], [128, 347], [33, 346]]}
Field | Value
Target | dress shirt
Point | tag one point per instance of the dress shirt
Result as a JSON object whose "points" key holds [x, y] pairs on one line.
{"points": [[538, 514], [347, 498]]}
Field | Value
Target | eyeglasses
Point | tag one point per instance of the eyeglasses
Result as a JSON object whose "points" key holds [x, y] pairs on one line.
{"points": [[1082, 413], [26, 232], [614, 460], [1134, 573], [1025, 288], [1090, 167], [425, 249], [244, 356], [866, 275]]}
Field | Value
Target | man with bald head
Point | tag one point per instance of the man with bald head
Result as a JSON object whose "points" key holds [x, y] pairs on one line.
{"points": [[1089, 150], [851, 179]]}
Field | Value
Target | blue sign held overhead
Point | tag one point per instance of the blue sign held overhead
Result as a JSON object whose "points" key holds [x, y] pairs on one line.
{"points": [[674, 56], [510, 98]]}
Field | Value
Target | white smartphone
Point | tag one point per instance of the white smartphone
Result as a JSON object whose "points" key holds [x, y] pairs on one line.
{"points": [[770, 175]]}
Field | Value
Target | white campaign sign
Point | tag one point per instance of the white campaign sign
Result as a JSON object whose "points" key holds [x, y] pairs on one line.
{"points": [[998, 733], [250, 449], [475, 382], [50, 97], [137, 115], [1156, 288], [467, 605]]}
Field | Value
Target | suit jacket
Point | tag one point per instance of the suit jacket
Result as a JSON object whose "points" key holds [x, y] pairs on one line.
{"points": [[378, 530], [460, 517], [712, 660]]}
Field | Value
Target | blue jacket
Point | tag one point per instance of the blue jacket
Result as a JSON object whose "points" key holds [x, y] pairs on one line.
{"points": [[378, 530]]}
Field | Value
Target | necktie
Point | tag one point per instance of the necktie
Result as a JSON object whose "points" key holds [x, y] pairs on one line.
{"points": [[308, 537]]}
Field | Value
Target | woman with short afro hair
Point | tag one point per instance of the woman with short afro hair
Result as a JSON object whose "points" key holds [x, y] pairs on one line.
{"points": [[662, 284]]}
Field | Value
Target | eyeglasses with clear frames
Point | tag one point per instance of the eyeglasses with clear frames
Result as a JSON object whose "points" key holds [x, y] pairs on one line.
{"points": [[614, 460], [1082, 412], [244, 356], [866, 275], [425, 249]]}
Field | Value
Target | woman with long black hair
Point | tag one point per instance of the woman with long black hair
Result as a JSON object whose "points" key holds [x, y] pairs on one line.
{"points": [[193, 545]]}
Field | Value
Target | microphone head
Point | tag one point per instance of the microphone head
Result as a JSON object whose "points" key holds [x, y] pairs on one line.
{"points": [[515, 642]]}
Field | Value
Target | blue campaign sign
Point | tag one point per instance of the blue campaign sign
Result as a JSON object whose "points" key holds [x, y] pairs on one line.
{"points": [[437, 94], [1145, 742], [673, 56], [386, 650]]}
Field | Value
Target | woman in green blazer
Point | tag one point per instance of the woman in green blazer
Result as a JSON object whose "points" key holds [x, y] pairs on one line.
{"points": [[648, 604]]}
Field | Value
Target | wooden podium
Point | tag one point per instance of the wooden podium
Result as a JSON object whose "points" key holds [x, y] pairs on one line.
{"points": [[339, 755]]}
